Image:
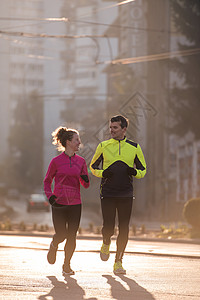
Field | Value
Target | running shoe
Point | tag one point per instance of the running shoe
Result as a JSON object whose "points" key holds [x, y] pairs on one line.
{"points": [[104, 252], [51, 255], [66, 270], [118, 269]]}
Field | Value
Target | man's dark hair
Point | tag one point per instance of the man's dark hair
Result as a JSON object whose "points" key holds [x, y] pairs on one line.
{"points": [[123, 121]]}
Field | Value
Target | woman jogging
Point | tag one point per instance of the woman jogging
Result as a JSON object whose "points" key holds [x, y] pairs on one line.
{"points": [[67, 170]]}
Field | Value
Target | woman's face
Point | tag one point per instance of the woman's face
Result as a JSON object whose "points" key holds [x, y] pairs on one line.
{"points": [[74, 143]]}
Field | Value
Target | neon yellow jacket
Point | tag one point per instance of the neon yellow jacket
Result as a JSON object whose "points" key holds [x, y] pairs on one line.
{"points": [[117, 156]]}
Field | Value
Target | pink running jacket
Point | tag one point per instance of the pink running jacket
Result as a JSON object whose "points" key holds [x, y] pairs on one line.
{"points": [[66, 172]]}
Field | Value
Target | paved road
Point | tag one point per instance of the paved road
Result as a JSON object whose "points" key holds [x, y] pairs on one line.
{"points": [[93, 243], [25, 273]]}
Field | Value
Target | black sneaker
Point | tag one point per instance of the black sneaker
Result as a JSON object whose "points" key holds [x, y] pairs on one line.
{"points": [[51, 255], [66, 270]]}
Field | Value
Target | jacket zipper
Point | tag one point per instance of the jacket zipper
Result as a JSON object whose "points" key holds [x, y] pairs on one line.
{"points": [[70, 161], [119, 148]]}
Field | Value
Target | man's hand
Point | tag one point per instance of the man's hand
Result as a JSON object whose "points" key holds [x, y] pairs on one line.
{"points": [[107, 173], [131, 171]]}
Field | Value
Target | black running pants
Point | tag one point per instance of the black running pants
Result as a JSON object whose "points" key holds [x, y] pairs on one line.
{"points": [[66, 220], [122, 207]]}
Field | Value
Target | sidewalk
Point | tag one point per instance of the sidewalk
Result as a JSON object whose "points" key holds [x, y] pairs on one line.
{"points": [[93, 236], [92, 243]]}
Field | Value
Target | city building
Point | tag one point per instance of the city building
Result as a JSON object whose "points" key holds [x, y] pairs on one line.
{"points": [[84, 88], [21, 69], [30, 67]]}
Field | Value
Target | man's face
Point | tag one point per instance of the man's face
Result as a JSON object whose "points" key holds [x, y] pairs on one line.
{"points": [[116, 131]]}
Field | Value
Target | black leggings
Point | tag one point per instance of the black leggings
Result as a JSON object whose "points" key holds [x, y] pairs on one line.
{"points": [[123, 207], [66, 222]]}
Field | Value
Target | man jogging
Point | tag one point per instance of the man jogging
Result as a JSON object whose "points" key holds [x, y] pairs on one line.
{"points": [[117, 161]]}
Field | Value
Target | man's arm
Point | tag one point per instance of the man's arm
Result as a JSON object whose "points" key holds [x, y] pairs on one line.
{"points": [[95, 162], [140, 163]]}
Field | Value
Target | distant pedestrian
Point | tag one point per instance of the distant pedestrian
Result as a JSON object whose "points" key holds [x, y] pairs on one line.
{"points": [[117, 161], [68, 170]]}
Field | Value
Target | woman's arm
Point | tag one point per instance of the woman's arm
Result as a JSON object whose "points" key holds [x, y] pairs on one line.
{"points": [[49, 178], [84, 178]]}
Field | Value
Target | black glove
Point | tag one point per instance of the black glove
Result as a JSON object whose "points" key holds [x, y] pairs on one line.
{"points": [[85, 178], [52, 200], [107, 173], [131, 171]]}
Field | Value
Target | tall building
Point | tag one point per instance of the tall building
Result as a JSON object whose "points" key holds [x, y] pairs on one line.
{"points": [[22, 69], [84, 86], [87, 46], [184, 145], [30, 64]]}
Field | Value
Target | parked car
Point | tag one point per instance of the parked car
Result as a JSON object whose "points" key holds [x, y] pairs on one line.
{"points": [[37, 202]]}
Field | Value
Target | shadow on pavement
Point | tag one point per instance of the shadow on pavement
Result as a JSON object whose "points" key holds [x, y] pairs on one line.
{"points": [[135, 292], [63, 291]]}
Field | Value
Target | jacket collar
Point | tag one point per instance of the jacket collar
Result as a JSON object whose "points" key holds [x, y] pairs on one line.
{"points": [[68, 155], [121, 141]]}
